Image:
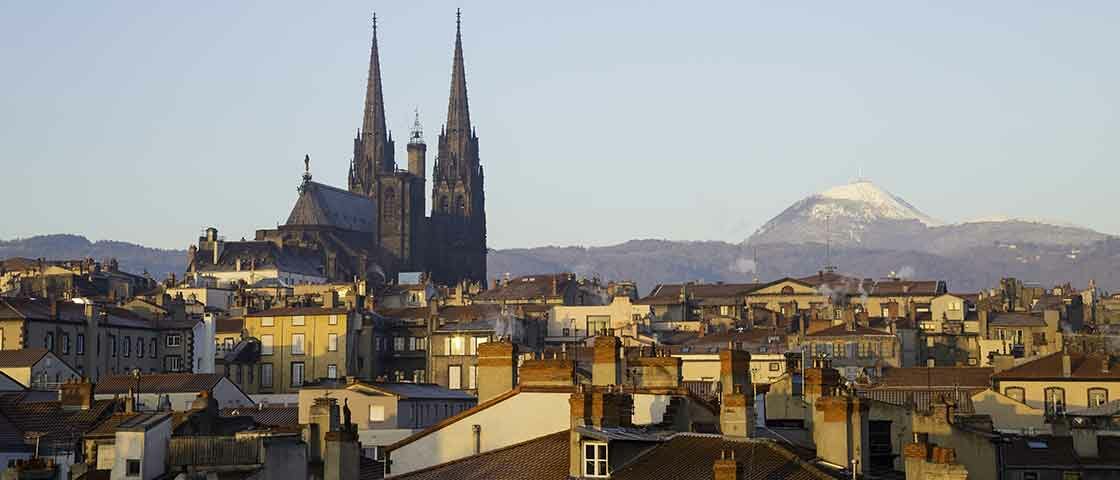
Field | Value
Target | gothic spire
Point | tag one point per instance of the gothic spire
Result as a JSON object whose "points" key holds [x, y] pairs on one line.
{"points": [[374, 120], [458, 113]]}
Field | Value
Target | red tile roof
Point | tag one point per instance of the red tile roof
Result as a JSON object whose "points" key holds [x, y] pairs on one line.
{"points": [[938, 377], [159, 383], [542, 458], [529, 287], [21, 358], [229, 325], [1082, 367]]}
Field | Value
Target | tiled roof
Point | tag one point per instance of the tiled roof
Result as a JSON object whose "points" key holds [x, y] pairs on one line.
{"points": [[259, 255], [49, 417], [325, 205], [1057, 452], [266, 416], [1015, 320], [297, 311], [415, 390], [371, 469], [407, 312], [921, 377], [893, 288], [543, 458], [688, 456], [1082, 367], [11, 438], [21, 358], [921, 399], [842, 331], [159, 383], [529, 287], [669, 293]]}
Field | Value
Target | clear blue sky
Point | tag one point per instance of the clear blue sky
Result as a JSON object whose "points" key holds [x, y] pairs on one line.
{"points": [[599, 121]]}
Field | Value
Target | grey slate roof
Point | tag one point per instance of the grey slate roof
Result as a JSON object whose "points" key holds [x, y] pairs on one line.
{"points": [[259, 255], [328, 206]]}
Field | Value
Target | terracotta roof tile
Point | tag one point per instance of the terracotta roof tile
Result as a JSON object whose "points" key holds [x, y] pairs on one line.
{"points": [[21, 358], [542, 458], [1082, 367], [529, 287], [947, 377], [266, 416], [691, 456], [159, 383]]}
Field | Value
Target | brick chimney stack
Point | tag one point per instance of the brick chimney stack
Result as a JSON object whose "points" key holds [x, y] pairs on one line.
{"points": [[76, 395], [606, 367], [726, 468], [497, 369], [736, 409], [1067, 369], [595, 409]]}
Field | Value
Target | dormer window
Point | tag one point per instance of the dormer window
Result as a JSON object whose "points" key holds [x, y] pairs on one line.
{"points": [[595, 460]]}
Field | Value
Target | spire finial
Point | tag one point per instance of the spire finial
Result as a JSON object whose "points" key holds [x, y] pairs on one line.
{"points": [[416, 137], [306, 174], [458, 20]]}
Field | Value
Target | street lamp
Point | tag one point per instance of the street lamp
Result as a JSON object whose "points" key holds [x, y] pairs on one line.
{"points": [[136, 397]]}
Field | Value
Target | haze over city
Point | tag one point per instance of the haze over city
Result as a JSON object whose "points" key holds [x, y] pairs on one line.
{"points": [[149, 122]]}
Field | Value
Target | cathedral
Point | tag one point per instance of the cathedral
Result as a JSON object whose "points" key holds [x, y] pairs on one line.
{"points": [[381, 221]]}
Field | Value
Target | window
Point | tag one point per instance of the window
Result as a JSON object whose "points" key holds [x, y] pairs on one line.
{"points": [[775, 366], [132, 468], [332, 320], [153, 349], [332, 371], [297, 374], [455, 377], [48, 342], [595, 459], [332, 342], [472, 377], [1097, 397], [1030, 475], [127, 344], [455, 346], [139, 347], [418, 376], [266, 374], [475, 342], [66, 343], [297, 321], [377, 413], [787, 290], [173, 363], [1054, 400], [598, 324], [725, 310], [1015, 393], [297, 344], [80, 345], [266, 321], [266, 344], [412, 343], [398, 344], [174, 340]]}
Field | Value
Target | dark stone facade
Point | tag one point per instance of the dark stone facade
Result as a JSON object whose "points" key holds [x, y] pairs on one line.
{"points": [[451, 244]]}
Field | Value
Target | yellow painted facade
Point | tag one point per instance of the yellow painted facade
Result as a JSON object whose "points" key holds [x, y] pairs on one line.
{"points": [[302, 345]]}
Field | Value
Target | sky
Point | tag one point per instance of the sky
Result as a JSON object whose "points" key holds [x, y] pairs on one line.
{"points": [[598, 122]]}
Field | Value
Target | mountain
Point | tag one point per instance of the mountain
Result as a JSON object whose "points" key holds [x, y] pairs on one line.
{"points": [[864, 215], [131, 257]]}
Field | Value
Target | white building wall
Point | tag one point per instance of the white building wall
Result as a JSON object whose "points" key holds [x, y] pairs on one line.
{"points": [[204, 332], [520, 418]]}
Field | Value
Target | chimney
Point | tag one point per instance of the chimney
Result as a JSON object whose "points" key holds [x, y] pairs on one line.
{"points": [[550, 372], [130, 402], [1106, 361], [841, 431], [54, 309], [726, 468], [497, 372], [76, 395], [330, 299], [324, 418], [606, 367], [554, 289], [597, 409], [1066, 367], [736, 415], [341, 454]]}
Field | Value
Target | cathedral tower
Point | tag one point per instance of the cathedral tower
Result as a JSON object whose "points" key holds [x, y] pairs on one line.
{"points": [[398, 194], [458, 222]]}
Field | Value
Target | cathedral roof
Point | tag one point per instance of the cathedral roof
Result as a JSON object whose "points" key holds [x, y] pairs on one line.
{"points": [[257, 255], [325, 205]]}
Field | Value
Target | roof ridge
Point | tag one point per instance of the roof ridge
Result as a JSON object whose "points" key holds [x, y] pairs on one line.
{"points": [[488, 452]]}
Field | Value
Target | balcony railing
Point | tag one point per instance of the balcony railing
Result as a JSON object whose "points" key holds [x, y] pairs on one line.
{"points": [[213, 451]]}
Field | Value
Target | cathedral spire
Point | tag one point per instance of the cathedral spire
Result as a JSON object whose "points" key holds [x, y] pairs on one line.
{"points": [[374, 120], [458, 113]]}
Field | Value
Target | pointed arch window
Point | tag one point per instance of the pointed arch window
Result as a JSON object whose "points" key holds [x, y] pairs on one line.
{"points": [[461, 205], [389, 200], [443, 205]]}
